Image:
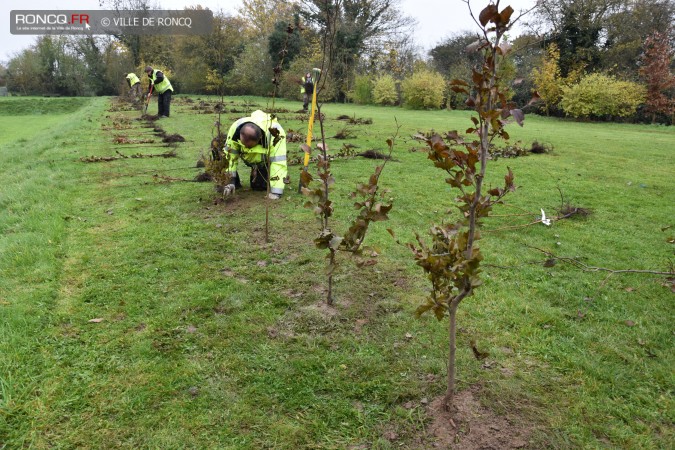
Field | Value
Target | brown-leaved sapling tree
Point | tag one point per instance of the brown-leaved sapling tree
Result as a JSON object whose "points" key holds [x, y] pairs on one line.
{"points": [[452, 259], [372, 204]]}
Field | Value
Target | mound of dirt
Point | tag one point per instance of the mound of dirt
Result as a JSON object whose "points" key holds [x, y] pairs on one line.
{"points": [[471, 426], [203, 177], [173, 138], [538, 148], [373, 154]]}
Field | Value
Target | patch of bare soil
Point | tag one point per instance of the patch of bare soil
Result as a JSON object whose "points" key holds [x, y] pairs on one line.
{"points": [[322, 310], [472, 426]]}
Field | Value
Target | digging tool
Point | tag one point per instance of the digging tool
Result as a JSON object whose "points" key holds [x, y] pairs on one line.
{"points": [[147, 102], [316, 74]]}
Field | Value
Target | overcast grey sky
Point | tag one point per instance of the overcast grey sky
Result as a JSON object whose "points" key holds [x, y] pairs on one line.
{"points": [[441, 18]]}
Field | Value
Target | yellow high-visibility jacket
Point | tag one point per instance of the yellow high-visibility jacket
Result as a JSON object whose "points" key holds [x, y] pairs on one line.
{"points": [[162, 86], [259, 154], [132, 79]]}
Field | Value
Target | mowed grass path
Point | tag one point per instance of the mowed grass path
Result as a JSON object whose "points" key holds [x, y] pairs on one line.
{"points": [[211, 338]]}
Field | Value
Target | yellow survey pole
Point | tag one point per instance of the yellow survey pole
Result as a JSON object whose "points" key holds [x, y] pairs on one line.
{"points": [[310, 126]]}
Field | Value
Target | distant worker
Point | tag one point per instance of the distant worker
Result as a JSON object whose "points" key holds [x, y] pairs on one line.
{"points": [[160, 84], [306, 89], [260, 142], [134, 87]]}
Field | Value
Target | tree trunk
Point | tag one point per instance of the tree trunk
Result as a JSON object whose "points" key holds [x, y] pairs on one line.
{"points": [[450, 392], [267, 215], [329, 298]]}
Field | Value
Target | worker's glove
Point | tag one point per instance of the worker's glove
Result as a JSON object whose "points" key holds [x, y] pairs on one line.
{"points": [[228, 190], [273, 196]]}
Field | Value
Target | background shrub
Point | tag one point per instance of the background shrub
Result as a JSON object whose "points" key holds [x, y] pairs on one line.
{"points": [[384, 91], [599, 96], [424, 90], [362, 93]]}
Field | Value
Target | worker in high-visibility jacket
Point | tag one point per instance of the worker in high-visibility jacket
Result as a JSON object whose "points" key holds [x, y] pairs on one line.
{"points": [[134, 86], [160, 84], [260, 142], [306, 89]]}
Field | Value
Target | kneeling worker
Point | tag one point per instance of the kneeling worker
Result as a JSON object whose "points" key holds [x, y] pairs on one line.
{"points": [[260, 142]]}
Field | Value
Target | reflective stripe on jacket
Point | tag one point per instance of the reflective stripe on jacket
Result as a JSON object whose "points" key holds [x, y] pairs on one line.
{"points": [[258, 154]]}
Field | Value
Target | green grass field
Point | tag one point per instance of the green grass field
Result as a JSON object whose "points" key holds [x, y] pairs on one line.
{"points": [[211, 338]]}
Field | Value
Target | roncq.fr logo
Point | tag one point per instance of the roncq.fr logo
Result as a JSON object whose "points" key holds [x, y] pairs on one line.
{"points": [[50, 19]]}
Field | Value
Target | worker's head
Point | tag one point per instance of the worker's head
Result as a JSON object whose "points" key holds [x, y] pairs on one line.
{"points": [[148, 70], [250, 135]]}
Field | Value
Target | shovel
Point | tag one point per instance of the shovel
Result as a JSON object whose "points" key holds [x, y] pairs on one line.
{"points": [[147, 102]]}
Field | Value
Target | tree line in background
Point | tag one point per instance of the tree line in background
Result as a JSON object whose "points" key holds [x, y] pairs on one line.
{"points": [[595, 59]]}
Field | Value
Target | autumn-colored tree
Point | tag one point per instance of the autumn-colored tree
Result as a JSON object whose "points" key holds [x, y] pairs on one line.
{"points": [[214, 81], [658, 76], [627, 29], [547, 78], [221, 51], [261, 15]]}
